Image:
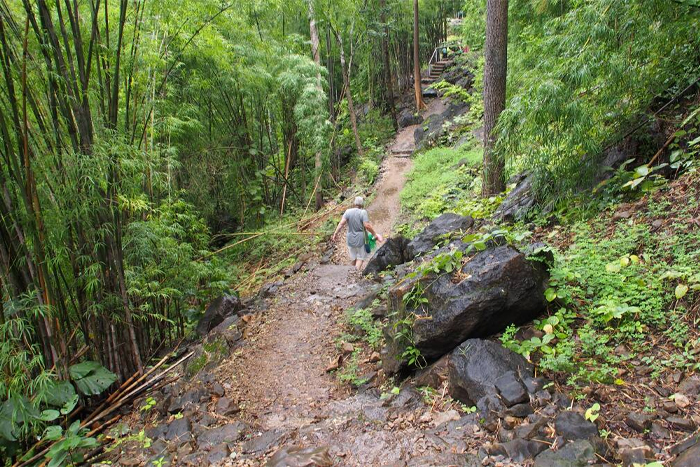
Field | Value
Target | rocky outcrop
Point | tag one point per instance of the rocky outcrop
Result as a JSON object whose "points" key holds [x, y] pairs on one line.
{"points": [[495, 288], [408, 118], [440, 227], [477, 368], [217, 311], [519, 201], [437, 125], [392, 253]]}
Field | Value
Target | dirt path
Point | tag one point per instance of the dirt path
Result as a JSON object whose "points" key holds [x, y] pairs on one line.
{"points": [[386, 205], [280, 378]]}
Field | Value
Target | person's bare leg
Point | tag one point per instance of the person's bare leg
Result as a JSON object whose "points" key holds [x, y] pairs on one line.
{"points": [[358, 265]]}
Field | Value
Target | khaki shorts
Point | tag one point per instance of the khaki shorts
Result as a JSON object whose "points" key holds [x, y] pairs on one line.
{"points": [[357, 252]]}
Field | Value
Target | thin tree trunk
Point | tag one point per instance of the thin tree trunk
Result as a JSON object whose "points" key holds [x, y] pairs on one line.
{"points": [[495, 68], [318, 164], [348, 93], [387, 65], [420, 104]]}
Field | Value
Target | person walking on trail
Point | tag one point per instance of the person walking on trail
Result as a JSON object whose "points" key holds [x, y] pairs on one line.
{"points": [[357, 221]]}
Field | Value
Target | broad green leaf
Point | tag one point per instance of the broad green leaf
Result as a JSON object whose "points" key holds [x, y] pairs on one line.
{"points": [[53, 432], [550, 294], [91, 378], [614, 267], [81, 370], [70, 405], [60, 393], [480, 245], [681, 290], [49, 415]]}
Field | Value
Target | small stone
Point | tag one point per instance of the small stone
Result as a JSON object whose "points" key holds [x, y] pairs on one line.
{"points": [[681, 400], [670, 407], [511, 389], [179, 430], [690, 385], [520, 450], [639, 421], [519, 410], [534, 385], [226, 407], [375, 357], [621, 215], [505, 435], [688, 452], [690, 458], [262, 443], [562, 400], [573, 426], [348, 347], [228, 434], [542, 398], [577, 453], [444, 417], [681, 423], [657, 223], [633, 457], [218, 453], [529, 430], [659, 431], [218, 390]]}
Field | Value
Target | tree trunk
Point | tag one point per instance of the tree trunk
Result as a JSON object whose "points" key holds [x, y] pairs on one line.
{"points": [[318, 166], [387, 65], [420, 105], [495, 68], [348, 93]]}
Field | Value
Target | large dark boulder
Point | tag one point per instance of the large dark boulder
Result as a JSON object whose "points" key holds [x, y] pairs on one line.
{"points": [[495, 288], [408, 118], [519, 201], [392, 253], [217, 312], [437, 125], [476, 365], [430, 236]]}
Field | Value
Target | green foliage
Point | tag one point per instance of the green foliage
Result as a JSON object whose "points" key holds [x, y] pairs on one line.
{"points": [[368, 170], [581, 73], [349, 373], [616, 286], [362, 320], [91, 378], [67, 445], [435, 184]]}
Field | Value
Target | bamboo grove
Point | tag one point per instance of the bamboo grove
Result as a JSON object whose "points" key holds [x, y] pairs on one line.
{"points": [[130, 130]]}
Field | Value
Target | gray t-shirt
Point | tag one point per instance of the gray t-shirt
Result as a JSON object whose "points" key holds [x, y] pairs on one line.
{"points": [[356, 218]]}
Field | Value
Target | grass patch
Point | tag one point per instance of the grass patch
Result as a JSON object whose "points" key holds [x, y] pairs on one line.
{"points": [[436, 183]]}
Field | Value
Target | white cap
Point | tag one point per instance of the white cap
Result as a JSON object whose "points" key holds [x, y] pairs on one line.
{"points": [[359, 201]]}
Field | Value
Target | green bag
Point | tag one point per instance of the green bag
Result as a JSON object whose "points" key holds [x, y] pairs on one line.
{"points": [[372, 241]]}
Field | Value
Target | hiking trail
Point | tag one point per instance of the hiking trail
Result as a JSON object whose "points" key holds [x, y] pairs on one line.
{"points": [[280, 378]]}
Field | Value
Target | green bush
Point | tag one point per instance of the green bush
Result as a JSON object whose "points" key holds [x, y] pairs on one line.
{"points": [[435, 184]]}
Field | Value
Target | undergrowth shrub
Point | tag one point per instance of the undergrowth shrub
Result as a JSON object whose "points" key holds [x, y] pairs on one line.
{"points": [[436, 184], [618, 284]]}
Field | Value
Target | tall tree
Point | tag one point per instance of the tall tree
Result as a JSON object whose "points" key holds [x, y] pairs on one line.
{"points": [[315, 44], [420, 104], [345, 68], [388, 84], [495, 68]]}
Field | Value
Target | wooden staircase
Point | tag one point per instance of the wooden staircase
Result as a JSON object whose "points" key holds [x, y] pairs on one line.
{"points": [[435, 71]]}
